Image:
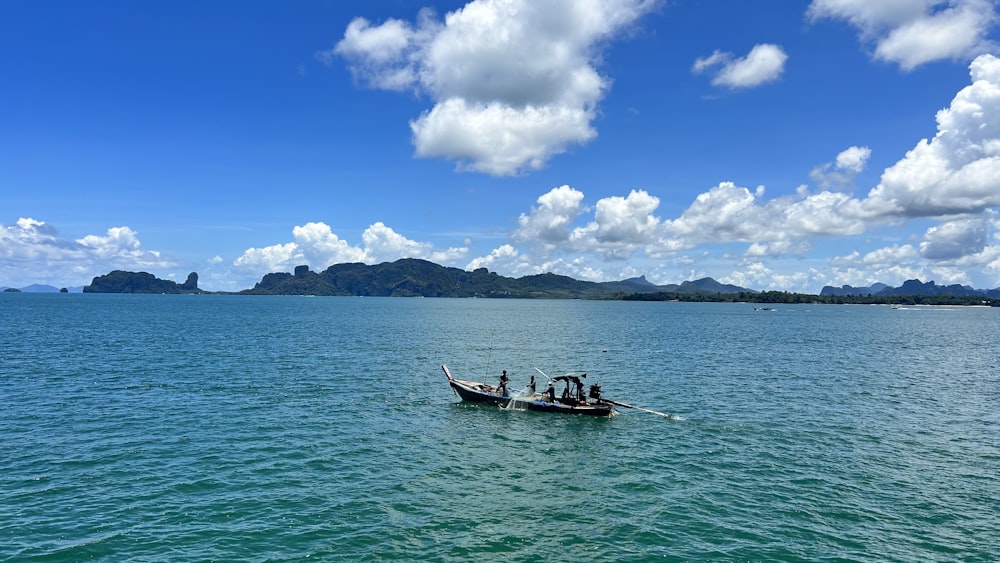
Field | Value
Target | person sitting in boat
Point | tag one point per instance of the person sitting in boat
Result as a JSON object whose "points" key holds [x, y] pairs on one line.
{"points": [[504, 380]]}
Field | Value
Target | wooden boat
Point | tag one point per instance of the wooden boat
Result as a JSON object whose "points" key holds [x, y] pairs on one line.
{"points": [[475, 392], [567, 403]]}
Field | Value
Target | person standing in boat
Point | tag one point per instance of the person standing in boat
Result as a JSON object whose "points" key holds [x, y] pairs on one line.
{"points": [[531, 385], [504, 380]]}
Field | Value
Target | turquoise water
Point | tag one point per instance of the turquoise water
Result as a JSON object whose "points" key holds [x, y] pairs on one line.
{"points": [[181, 428]]}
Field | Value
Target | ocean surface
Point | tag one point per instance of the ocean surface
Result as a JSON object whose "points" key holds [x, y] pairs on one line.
{"points": [[250, 428]]}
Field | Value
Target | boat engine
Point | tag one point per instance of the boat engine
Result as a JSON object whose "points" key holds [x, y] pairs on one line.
{"points": [[595, 392]]}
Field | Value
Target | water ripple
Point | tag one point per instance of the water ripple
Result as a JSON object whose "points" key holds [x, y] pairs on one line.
{"points": [[149, 428]]}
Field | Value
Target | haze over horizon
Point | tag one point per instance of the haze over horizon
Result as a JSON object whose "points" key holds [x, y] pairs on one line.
{"points": [[829, 143]]}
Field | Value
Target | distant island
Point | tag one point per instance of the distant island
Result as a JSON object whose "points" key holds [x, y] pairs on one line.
{"points": [[910, 287], [38, 288], [411, 277], [120, 281]]}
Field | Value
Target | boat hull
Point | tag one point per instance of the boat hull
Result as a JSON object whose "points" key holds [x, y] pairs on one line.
{"points": [[588, 409], [478, 393]]}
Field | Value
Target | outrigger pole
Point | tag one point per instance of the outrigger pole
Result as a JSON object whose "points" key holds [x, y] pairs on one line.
{"points": [[643, 409]]}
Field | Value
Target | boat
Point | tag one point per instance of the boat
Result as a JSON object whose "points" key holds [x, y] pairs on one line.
{"points": [[571, 401]]}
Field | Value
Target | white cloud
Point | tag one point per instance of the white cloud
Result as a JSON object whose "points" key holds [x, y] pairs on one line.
{"points": [[274, 258], [34, 248], [953, 178], [499, 139], [853, 159], [758, 275], [777, 248], [382, 244], [514, 82], [549, 222], [374, 45], [623, 220], [726, 212], [955, 239], [500, 258], [117, 241], [29, 239], [621, 225], [891, 265], [764, 63], [914, 32], [889, 256], [958, 171], [822, 214], [729, 213], [318, 247]]}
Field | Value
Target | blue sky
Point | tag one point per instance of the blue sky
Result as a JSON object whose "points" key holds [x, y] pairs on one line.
{"points": [[773, 145]]}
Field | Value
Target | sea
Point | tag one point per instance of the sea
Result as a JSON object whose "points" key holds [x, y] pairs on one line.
{"points": [[253, 428]]}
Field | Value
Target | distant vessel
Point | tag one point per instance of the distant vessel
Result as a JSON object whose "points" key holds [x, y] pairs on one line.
{"points": [[763, 308]]}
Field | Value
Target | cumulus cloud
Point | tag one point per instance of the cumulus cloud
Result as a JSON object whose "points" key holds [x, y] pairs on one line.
{"points": [[758, 275], [853, 159], [56, 260], [28, 239], [777, 248], [382, 244], [317, 246], [498, 139], [730, 213], [954, 239], [622, 228], [549, 222], [621, 225], [914, 32], [499, 258], [277, 257], [725, 212], [952, 179], [514, 82], [958, 171], [764, 63], [839, 175], [893, 264], [623, 220]]}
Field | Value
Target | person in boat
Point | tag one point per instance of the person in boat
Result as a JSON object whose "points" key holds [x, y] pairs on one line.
{"points": [[504, 380], [531, 386], [550, 391]]}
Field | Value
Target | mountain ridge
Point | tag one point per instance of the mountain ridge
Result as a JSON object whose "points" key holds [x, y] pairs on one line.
{"points": [[416, 277], [421, 278], [909, 287]]}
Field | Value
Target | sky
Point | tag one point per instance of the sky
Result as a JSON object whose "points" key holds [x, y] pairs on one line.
{"points": [[771, 145]]}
